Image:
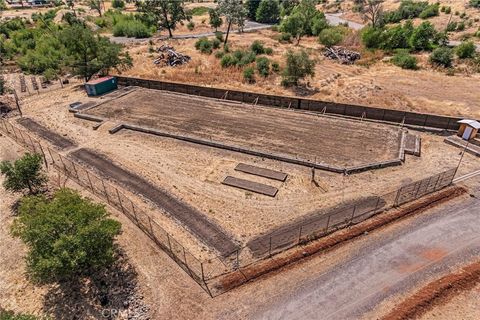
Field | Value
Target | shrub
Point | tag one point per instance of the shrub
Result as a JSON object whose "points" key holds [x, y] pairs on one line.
{"points": [[191, 25], [219, 54], [404, 60], [461, 26], [275, 67], [475, 3], [67, 236], [448, 10], [466, 50], [331, 36], [263, 66], [219, 35], [268, 51], [257, 47], [204, 45], [372, 37], [118, 4], [423, 36], [285, 37], [244, 57], [451, 26], [442, 9], [268, 11], [442, 56], [430, 11], [228, 60], [216, 43], [131, 29], [298, 66], [249, 75]]}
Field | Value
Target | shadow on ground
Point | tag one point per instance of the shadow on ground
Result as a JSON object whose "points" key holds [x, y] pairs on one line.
{"points": [[109, 294]]}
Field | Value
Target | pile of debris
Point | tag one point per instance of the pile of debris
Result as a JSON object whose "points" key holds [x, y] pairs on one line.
{"points": [[345, 56], [170, 57]]}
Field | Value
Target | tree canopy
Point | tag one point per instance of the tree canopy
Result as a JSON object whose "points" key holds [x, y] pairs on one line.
{"points": [[24, 173], [166, 13], [234, 12], [298, 66], [67, 235], [304, 19]]}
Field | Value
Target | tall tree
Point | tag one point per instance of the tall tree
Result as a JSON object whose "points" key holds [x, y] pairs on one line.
{"points": [[251, 6], [166, 13], [88, 54], [215, 19], [374, 12], [268, 11], [305, 19], [96, 5], [234, 12], [67, 236], [24, 173]]}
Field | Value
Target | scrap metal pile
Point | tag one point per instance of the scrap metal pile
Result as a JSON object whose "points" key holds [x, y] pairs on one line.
{"points": [[345, 56], [169, 57]]}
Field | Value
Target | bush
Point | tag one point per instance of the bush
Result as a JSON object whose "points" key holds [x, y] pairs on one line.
{"points": [[219, 54], [204, 45], [216, 43], [298, 66], [228, 60], [118, 4], [442, 56], [191, 25], [285, 37], [448, 10], [423, 37], [131, 29], [331, 36], [451, 26], [430, 11], [466, 50], [372, 38], [67, 236], [268, 11], [269, 51], [244, 57], [275, 67], [219, 35], [404, 60], [461, 26], [257, 47], [24, 173], [263, 66], [249, 75], [475, 3]]}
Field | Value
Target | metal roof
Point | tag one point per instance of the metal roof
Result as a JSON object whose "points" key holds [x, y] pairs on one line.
{"points": [[472, 123]]}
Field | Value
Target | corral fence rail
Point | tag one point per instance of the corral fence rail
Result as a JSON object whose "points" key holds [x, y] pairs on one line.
{"points": [[414, 119], [210, 274]]}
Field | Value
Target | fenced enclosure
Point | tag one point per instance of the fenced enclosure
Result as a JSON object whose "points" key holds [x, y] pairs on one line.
{"points": [[414, 119], [210, 274]]}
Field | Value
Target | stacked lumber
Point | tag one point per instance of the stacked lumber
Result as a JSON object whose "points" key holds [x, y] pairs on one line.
{"points": [[169, 57], [342, 54]]}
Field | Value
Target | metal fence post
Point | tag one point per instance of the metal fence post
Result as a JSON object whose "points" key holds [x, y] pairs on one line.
{"points": [[105, 190], [64, 167], [353, 212], [300, 234], [399, 192], [119, 200], [91, 185], [170, 248], [133, 209], [50, 152]]}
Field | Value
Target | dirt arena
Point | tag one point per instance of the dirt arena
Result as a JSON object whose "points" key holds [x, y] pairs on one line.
{"points": [[328, 141]]}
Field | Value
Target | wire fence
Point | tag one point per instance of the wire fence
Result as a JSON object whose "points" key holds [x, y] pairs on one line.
{"points": [[217, 274]]}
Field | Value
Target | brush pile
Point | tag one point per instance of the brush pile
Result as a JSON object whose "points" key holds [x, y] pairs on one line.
{"points": [[169, 57], [345, 56]]}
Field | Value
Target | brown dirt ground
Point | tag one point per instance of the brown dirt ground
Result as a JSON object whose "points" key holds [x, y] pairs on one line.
{"points": [[194, 173], [309, 138]]}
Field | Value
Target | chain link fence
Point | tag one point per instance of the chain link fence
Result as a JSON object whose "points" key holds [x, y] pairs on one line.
{"points": [[213, 274]]}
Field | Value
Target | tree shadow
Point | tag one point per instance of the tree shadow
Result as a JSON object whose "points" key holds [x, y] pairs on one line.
{"points": [[107, 294]]}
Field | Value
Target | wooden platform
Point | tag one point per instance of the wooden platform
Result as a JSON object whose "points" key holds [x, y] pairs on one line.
{"points": [[250, 186], [262, 172]]}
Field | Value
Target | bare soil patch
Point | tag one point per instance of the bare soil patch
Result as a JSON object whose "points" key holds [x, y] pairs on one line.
{"points": [[327, 141], [191, 218]]}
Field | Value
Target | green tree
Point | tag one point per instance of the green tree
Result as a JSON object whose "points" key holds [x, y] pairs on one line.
{"points": [[423, 36], [118, 4], [286, 6], [268, 11], [305, 19], [234, 12], [442, 56], [252, 6], [215, 19], [67, 235], [88, 54], [466, 50], [293, 25], [96, 5], [331, 36], [298, 66], [24, 173], [166, 13]]}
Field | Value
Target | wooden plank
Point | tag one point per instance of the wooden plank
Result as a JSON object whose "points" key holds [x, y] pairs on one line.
{"points": [[250, 186], [262, 172]]}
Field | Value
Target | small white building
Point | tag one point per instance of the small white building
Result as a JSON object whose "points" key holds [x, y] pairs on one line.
{"points": [[468, 129]]}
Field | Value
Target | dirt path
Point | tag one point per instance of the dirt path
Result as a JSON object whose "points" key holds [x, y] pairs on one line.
{"points": [[53, 137], [385, 267], [191, 218]]}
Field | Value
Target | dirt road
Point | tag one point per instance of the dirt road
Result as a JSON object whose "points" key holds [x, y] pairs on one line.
{"points": [[384, 267]]}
